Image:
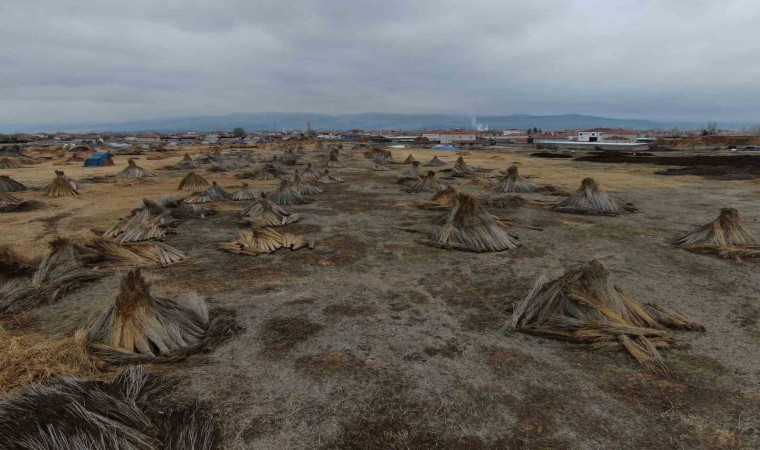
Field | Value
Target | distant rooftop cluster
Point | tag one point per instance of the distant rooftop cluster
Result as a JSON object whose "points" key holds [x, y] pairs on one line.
{"points": [[462, 137]]}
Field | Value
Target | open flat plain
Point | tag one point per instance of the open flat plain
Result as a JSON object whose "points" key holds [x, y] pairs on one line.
{"points": [[373, 340]]}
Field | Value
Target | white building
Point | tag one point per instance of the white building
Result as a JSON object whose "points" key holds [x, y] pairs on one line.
{"points": [[450, 137], [607, 135], [491, 135]]}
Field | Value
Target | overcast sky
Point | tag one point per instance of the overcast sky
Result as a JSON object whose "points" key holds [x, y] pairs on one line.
{"points": [[101, 61]]}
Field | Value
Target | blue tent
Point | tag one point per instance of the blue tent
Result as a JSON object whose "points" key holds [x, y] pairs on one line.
{"points": [[445, 147], [99, 159]]}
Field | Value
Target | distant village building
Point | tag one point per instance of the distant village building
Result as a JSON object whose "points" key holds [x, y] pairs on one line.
{"points": [[211, 138], [491, 135], [399, 138], [148, 137], [450, 137], [607, 135]]}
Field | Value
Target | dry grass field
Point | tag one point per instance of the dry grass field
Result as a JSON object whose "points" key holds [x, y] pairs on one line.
{"points": [[373, 340]]}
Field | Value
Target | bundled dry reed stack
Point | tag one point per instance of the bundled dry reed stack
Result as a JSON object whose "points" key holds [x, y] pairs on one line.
{"points": [[61, 186], [303, 187], [267, 214], [140, 327], [137, 254], [8, 184], [584, 306], [409, 159], [590, 199], [725, 236], [462, 168], [75, 158], [132, 239], [435, 162], [514, 182], [263, 173], [468, 226], [63, 249], [328, 178], [78, 185], [217, 191], [334, 160], [412, 174], [156, 211], [9, 203], [379, 155], [442, 200], [135, 230], [54, 277], [193, 182], [186, 163], [286, 195], [201, 197], [426, 183], [128, 412], [310, 174], [7, 163], [257, 240], [446, 197], [134, 171], [244, 193]]}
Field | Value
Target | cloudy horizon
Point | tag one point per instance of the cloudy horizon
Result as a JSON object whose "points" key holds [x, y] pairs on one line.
{"points": [[75, 61]]}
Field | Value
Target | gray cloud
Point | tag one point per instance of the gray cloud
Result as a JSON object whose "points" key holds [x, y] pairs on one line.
{"points": [[79, 60]]}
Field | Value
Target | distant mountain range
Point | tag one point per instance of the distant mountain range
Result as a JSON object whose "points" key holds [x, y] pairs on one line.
{"points": [[274, 121]]}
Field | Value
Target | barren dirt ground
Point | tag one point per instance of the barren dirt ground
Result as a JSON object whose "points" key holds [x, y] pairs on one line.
{"points": [[372, 340]]}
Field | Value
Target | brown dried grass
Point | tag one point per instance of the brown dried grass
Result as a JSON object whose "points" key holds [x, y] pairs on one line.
{"points": [[28, 358]]}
